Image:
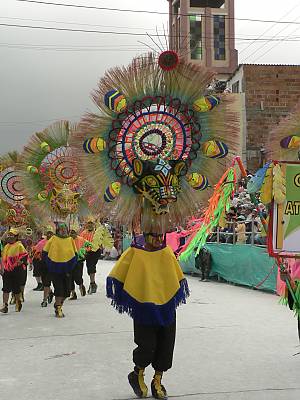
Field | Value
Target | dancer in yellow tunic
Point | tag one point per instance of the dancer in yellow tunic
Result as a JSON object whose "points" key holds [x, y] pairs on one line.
{"points": [[60, 256], [146, 155], [147, 283]]}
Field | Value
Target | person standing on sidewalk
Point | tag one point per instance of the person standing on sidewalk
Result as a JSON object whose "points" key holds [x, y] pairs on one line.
{"points": [[13, 263], [241, 230], [203, 263]]}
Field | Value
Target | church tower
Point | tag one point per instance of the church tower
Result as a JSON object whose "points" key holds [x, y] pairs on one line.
{"points": [[202, 31]]}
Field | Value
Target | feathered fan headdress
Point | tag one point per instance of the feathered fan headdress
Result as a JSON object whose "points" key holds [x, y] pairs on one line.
{"points": [[158, 141], [284, 140], [52, 182], [13, 204], [11, 188]]}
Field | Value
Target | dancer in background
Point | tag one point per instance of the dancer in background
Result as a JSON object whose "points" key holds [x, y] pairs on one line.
{"points": [[13, 263], [92, 255], [40, 262], [60, 256], [77, 273], [35, 258]]}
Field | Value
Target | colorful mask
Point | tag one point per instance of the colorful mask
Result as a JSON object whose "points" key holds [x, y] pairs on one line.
{"points": [[17, 215], [64, 201], [50, 172], [158, 182]]}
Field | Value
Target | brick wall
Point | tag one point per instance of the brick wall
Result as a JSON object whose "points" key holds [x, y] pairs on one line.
{"points": [[271, 93]]}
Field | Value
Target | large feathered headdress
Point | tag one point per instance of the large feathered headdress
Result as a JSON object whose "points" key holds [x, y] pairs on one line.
{"points": [[13, 204], [157, 142], [284, 140], [52, 182]]}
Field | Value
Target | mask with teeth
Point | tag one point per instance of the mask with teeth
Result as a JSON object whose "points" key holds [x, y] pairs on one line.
{"points": [[158, 182]]}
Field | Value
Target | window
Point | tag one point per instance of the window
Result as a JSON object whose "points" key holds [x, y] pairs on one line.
{"points": [[236, 87], [207, 3], [176, 8], [219, 37], [196, 37]]}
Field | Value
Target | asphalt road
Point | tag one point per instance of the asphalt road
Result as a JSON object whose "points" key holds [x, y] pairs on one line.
{"points": [[232, 344]]}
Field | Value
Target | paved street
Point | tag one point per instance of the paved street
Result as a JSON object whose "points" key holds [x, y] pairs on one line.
{"points": [[232, 344]]}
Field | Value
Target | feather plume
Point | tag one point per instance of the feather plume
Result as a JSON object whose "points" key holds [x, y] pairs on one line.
{"points": [[218, 204], [48, 163], [139, 82], [287, 128]]}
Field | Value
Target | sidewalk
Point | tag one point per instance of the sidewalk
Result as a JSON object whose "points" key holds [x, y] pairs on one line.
{"points": [[232, 344]]}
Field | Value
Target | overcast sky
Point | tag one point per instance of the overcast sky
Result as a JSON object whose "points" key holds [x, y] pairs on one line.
{"points": [[39, 86]]}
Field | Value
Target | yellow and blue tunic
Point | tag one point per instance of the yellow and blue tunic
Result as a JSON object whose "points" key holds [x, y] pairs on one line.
{"points": [[147, 285], [60, 254]]}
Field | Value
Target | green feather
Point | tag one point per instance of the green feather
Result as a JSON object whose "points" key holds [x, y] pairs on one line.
{"points": [[199, 240]]}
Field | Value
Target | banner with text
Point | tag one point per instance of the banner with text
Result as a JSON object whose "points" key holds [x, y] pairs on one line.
{"points": [[286, 216]]}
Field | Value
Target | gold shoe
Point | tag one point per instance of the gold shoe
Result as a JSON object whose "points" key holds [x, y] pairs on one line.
{"points": [[58, 311], [136, 381], [18, 306], [157, 389]]}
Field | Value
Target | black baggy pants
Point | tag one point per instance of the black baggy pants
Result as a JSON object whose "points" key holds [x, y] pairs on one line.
{"points": [[13, 280], [76, 276], [62, 284], [155, 346], [91, 260]]}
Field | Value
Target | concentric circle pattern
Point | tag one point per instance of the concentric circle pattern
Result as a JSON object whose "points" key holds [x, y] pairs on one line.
{"points": [[168, 60], [11, 189], [60, 167], [155, 127]]}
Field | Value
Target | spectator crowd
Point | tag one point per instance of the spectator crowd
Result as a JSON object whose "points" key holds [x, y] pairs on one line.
{"points": [[242, 223]]}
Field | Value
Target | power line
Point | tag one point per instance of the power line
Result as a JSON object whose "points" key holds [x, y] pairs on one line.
{"points": [[268, 29], [70, 46], [51, 28], [79, 23], [94, 7], [275, 45], [104, 26], [151, 12], [24, 46], [265, 44], [74, 50]]}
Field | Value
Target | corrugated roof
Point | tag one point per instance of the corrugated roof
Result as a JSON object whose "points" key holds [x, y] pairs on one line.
{"points": [[262, 65], [273, 65]]}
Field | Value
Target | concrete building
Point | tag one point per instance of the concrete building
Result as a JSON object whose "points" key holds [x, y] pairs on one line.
{"points": [[202, 31], [270, 93]]}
